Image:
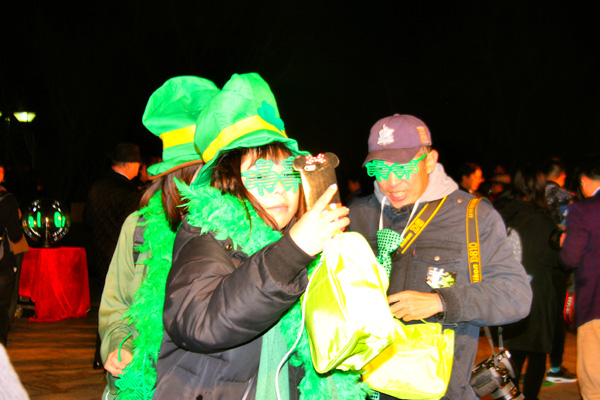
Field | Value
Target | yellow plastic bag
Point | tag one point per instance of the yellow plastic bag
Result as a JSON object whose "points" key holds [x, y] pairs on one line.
{"points": [[417, 365], [348, 319]]}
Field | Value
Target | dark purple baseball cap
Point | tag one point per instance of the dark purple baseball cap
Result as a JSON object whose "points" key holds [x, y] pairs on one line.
{"points": [[397, 139]]}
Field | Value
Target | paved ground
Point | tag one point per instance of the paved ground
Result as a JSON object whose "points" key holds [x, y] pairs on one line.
{"points": [[559, 391], [54, 359]]}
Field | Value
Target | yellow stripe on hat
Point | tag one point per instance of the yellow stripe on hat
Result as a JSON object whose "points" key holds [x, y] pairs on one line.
{"points": [[178, 136], [235, 131]]}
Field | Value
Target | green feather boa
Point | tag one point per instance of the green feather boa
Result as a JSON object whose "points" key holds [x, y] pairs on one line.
{"points": [[139, 378], [227, 217]]}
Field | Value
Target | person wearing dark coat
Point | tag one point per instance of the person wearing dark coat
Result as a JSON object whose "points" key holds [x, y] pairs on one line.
{"points": [[10, 228], [110, 201], [581, 251], [526, 212]]}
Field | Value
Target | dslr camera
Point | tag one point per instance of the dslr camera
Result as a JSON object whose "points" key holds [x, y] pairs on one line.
{"points": [[494, 376]]}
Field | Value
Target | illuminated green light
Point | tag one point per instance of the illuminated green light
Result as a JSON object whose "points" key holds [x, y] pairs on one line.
{"points": [[59, 221], [31, 222], [39, 218]]}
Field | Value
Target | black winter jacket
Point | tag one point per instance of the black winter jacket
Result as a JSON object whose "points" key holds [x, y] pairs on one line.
{"points": [[540, 258], [219, 302]]}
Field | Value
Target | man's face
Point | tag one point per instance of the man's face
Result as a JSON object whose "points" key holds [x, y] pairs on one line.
{"points": [[473, 181], [561, 179], [132, 169], [402, 192], [588, 186]]}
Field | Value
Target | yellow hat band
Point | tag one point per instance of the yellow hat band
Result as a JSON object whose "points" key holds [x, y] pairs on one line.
{"points": [[178, 136], [235, 131]]}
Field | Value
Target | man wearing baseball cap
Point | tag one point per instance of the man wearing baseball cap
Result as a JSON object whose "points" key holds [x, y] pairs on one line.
{"points": [[434, 274]]}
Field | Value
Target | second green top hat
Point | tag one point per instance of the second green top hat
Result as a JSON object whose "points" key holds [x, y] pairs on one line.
{"points": [[171, 114]]}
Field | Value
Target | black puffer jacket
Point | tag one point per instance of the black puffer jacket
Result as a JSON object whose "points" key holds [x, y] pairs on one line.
{"points": [[219, 302], [536, 228]]}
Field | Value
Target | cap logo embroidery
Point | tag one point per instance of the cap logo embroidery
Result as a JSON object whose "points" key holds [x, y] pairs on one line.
{"points": [[422, 134], [386, 136]]}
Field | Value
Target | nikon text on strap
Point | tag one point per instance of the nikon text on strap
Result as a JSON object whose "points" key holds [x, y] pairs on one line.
{"points": [[473, 241]]}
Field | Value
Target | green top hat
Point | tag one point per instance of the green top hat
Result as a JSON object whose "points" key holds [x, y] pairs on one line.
{"points": [[244, 114], [171, 114]]}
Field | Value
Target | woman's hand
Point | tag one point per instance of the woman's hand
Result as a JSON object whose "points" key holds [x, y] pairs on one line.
{"points": [[319, 224], [113, 365]]}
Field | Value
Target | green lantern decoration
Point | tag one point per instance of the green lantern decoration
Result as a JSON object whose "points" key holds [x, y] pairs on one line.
{"points": [[46, 221]]}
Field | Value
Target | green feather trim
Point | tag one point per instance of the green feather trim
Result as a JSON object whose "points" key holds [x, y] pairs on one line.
{"points": [[139, 378], [227, 217]]}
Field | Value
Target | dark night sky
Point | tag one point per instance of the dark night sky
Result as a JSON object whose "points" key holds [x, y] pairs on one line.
{"points": [[496, 82]]}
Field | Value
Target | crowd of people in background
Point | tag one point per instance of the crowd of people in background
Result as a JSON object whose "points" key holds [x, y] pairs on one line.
{"points": [[535, 203]]}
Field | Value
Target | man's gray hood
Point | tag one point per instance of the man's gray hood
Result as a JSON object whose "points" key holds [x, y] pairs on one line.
{"points": [[439, 185]]}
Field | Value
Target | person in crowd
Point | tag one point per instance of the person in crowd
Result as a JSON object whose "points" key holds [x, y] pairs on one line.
{"points": [[408, 179], [470, 177], [18, 248], [143, 179], [355, 190], [526, 211], [581, 250], [240, 259], [494, 187], [170, 114], [558, 199], [557, 196], [10, 230], [110, 200]]}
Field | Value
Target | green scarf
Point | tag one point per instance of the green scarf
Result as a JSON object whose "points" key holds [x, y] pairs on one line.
{"points": [[227, 217]]}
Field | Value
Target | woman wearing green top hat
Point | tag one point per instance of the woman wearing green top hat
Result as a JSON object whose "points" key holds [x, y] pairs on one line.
{"points": [[240, 260], [128, 322]]}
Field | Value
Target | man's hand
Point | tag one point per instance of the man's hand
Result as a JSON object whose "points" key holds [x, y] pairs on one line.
{"points": [[113, 365], [410, 305]]}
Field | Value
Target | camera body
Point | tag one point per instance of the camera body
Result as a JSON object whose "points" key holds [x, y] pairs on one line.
{"points": [[494, 376]]}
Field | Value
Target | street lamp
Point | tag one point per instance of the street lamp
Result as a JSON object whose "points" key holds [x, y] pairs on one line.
{"points": [[24, 116]]}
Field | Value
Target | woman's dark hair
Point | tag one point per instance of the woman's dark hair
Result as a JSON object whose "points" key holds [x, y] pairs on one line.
{"points": [[171, 198], [529, 184], [227, 176]]}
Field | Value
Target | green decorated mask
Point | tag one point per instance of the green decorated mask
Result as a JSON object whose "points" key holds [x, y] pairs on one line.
{"points": [[381, 171], [262, 176]]}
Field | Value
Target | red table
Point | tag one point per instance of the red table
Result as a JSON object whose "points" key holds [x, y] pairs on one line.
{"points": [[56, 280]]}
